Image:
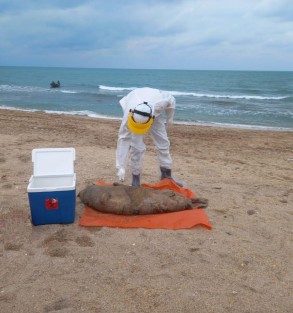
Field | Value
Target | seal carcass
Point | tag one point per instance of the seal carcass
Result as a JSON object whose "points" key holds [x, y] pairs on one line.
{"points": [[130, 200]]}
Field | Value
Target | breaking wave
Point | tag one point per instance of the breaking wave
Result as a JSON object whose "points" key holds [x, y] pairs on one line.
{"points": [[115, 88], [30, 89], [206, 95], [203, 95]]}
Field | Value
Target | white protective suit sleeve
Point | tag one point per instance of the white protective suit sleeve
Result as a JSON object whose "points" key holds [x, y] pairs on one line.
{"points": [[170, 109], [123, 145], [125, 135], [170, 116]]}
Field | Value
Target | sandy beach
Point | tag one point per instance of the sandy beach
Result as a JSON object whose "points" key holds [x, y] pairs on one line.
{"points": [[244, 264]]}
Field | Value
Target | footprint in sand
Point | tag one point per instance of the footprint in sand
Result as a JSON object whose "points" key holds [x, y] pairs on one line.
{"points": [[59, 236], [84, 241], [12, 246], [57, 306], [56, 244], [57, 252], [24, 158], [7, 186]]}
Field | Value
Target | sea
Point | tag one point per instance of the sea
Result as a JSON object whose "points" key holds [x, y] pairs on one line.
{"points": [[238, 99]]}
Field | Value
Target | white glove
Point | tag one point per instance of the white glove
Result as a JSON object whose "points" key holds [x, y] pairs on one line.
{"points": [[121, 173]]}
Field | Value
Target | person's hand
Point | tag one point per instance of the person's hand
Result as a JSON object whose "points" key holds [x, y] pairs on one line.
{"points": [[121, 173]]}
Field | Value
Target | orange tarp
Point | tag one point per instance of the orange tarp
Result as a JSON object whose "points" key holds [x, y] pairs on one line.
{"points": [[174, 220]]}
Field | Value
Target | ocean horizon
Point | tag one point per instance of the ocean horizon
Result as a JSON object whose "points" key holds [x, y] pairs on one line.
{"points": [[239, 99]]}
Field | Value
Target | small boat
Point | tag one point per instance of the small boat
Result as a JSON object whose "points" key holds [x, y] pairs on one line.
{"points": [[55, 85]]}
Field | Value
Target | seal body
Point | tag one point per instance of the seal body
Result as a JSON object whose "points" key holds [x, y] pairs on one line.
{"points": [[130, 200]]}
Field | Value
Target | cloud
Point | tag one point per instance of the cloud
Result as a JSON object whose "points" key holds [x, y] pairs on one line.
{"points": [[147, 33]]}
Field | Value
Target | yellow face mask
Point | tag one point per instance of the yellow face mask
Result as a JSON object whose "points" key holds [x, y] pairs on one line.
{"points": [[138, 128]]}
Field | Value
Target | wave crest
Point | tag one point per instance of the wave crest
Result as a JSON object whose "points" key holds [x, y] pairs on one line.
{"points": [[115, 88], [206, 95], [201, 95]]}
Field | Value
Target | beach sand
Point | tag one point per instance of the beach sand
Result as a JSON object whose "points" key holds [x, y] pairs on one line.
{"points": [[244, 264]]}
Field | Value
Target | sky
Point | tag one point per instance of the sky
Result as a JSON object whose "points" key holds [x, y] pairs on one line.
{"points": [[148, 34]]}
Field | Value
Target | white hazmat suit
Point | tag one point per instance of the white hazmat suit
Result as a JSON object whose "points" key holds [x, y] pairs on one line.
{"points": [[161, 102]]}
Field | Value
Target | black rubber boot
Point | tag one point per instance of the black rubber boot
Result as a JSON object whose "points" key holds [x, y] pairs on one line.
{"points": [[136, 180], [167, 173]]}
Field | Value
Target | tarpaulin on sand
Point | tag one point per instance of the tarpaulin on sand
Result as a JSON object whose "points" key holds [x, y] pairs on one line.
{"points": [[174, 220]]}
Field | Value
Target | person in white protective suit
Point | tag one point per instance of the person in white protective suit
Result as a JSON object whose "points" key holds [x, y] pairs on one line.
{"points": [[143, 110]]}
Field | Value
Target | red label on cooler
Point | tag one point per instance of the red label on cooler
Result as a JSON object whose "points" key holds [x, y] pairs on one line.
{"points": [[52, 204]]}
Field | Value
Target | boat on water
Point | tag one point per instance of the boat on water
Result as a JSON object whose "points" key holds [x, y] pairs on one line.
{"points": [[54, 84]]}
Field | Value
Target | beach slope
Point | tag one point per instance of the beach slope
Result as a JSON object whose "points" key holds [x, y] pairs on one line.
{"points": [[244, 264]]}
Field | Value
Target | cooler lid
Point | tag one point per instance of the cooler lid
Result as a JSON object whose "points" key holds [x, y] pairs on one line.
{"points": [[53, 161]]}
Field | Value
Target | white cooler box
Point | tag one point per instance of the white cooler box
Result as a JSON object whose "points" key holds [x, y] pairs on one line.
{"points": [[52, 187]]}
